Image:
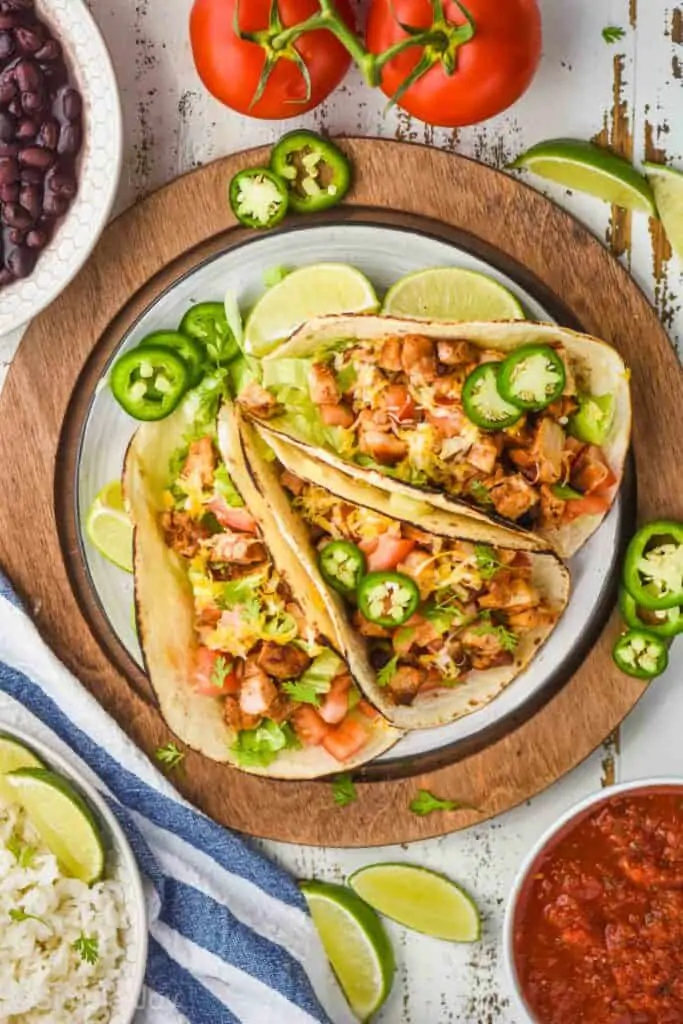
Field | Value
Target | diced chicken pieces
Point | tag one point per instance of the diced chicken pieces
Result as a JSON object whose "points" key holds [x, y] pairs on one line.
{"points": [[367, 628], [337, 415], [483, 454], [552, 509], [323, 385], [256, 400], [201, 462], [590, 472], [508, 592], [182, 533], [382, 446], [547, 450], [421, 566], [490, 355], [484, 648], [513, 497], [257, 692], [281, 709], [291, 482], [570, 379], [451, 353], [531, 618], [283, 661], [390, 355], [406, 682], [237, 548], [418, 357], [417, 632], [449, 420], [236, 718]]}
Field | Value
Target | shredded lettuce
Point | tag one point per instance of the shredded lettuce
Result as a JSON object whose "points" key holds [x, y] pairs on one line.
{"points": [[258, 748], [225, 487], [279, 373], [322, 671]]}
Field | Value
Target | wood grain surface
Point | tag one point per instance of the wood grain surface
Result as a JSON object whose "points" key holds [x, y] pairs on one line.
{"points": [[145, 250]]}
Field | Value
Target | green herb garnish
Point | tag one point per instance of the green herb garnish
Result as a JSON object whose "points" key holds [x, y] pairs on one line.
{"points": [[508, 640], [487, 561], [343, 790], [21, 915], [258, 748], [480, 493], [305, 693], [87, 948], [613, 33], [426, 803], [23, 853], [221, 669], [386, 674], [169, 756]]}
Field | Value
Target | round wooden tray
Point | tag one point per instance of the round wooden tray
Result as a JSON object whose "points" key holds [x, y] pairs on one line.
{"points": [[140, 255]]}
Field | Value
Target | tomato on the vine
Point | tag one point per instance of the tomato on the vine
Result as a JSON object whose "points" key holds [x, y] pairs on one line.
{"points": [[489, 72], [231, 67]]}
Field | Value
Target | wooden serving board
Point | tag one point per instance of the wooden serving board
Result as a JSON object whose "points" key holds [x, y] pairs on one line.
{"points": [[140, 254]]}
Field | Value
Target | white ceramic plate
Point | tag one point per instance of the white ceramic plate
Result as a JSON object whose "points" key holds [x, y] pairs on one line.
{"points": [[121, 865], [385, 254], [99, 165]]}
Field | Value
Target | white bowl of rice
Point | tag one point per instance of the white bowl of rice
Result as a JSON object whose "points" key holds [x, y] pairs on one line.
{"points": [[69, 953]]}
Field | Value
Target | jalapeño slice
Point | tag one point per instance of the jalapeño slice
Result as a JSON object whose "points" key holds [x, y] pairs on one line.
{"points": [[641, 654], [207, 324], [317, 173], [483, 403], [342, 565], [532, 377], [188, 350], [388, 598], [653, 567], [668, 623], [258, 198], [149, 382]]}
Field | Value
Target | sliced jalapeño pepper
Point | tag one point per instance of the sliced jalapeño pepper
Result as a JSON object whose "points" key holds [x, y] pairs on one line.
{"points": [[317, 173], [388, 598], [207, 324], [342, 565], [532, 377], [667, 623], [593, 419], [483, 403], [149, 382], [188, 350], [641, 654], [258, 198], [653, 567]]}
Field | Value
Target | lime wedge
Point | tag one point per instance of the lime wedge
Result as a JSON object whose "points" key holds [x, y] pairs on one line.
{"points": [[109, 528], [587, 168], [310, 291], [356, 945], [667, 184], [419, 899], [451, 293], [13, 755], [62, 819]]}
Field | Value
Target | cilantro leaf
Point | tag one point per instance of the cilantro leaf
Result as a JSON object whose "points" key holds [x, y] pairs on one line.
{"points": [[87, 948], [21, 915], [170, 756], [23, 853], [426, 803], [386, 674], [221, 669], [343, 790], [487, 561], [613, 33], [480, 493], [305, 693], [507, 639]]}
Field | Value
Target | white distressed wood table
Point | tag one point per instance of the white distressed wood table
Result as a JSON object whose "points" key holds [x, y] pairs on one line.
{"points": [[631, 95]]}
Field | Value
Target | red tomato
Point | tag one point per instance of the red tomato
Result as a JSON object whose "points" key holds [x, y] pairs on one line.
{"points": [[385, 552], [230, 67], [493, 69], [309, 726], [368, 710], [336, 703], [205, 676], [346, 740], [589, 505], [234, 518]]}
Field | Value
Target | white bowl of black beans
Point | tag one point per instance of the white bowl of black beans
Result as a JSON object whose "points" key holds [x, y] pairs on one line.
{"points": [[60, 150]]}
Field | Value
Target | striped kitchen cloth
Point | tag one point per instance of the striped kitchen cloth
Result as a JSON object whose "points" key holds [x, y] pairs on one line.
{"points": [[230, 939]]}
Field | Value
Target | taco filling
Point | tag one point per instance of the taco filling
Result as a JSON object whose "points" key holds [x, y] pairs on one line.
{"points": [[431, 609], [510, 433], [281, 684]]}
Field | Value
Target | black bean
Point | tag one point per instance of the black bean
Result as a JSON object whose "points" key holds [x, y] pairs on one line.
{"points": [[36, 239], [71, 104], [31, 176], [28, 76], [9, 148], [7, 127], [61, 183], [70, 138], [48, 135], [27, 129], [16, 236], [9, 193], [21, 261], [9, 170], [51, 50], [31, 198], [55, 73], [32, 102], [15, 216], [30, 40], [55, 206], [15, 106], [6, 45], [36, 156], [8, 91]]}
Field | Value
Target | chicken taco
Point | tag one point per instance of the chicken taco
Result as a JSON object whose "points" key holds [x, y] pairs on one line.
{"points": [[521, 422], [435, 618], [238, 644]]}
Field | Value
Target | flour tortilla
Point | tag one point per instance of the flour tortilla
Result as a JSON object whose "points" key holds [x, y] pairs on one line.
{"points": [[436, 707], [164, 602], [598, 368]]}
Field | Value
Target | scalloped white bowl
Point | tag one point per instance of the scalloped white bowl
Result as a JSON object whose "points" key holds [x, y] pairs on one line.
{"points": [[99, 165]]}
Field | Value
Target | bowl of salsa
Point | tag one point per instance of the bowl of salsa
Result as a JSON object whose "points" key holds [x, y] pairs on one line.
{"points": [[594, 925]]}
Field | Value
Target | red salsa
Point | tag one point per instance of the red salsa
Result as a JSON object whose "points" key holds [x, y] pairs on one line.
{"points": [[598, 930]]}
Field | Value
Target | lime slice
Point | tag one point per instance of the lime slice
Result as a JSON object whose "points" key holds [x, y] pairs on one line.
{"points": [[585, 167], [62, 819], [356, 945], [419, 899], [13, 755], [667, 184], [310, 291], [451, 293], [109, 528]]}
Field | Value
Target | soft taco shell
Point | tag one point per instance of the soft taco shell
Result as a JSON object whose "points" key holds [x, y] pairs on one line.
{"points": [[434, 707], [164, 602], [599, 369]]}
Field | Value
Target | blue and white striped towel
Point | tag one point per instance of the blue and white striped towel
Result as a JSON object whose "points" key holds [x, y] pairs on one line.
{"points": [[230, 939]]}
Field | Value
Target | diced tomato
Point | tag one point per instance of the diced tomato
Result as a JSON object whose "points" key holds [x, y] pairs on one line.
{"points": [[448, 420], [367, 709], [385, 552], [346, 740], [233, 518], [206, 677], [589, 505], [336, 703], [399, 402], [309, 726]]}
